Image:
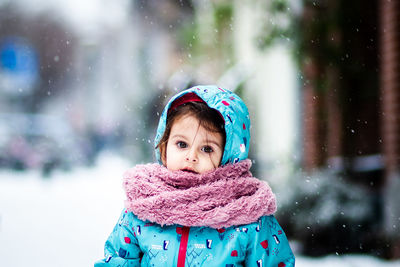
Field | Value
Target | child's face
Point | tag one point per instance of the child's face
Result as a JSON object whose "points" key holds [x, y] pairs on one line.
{"points": [[192, 148]]}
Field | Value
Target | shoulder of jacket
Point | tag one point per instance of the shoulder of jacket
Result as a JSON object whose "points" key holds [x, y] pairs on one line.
{"points": [[128, 215]]}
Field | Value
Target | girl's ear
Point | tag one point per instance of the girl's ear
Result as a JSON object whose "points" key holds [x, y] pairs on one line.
{"points": [[163, 153]]}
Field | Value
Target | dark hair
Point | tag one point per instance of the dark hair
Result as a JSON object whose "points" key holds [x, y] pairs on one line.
{"points": [[209, 118]]}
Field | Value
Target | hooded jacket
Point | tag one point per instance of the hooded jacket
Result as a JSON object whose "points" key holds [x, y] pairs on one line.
{"points": [[141, 242], [134, 242]]}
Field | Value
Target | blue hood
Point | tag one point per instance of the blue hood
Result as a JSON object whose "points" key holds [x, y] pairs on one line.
{"points": [[234, 112]]}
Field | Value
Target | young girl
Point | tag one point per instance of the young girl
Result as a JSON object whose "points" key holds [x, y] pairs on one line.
{"points": [[200, 205]]}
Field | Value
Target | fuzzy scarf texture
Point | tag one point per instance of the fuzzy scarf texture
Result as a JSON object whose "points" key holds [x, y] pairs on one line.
{"points": [[227, 196]]}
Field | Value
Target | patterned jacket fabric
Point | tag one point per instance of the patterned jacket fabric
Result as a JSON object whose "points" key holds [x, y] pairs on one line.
{"points": [[141, 243]]}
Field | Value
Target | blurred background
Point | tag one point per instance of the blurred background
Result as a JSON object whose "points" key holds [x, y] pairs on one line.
{"points": [[83, 83]]}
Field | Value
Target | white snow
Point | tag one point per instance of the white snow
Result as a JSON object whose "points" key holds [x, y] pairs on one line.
{"points": [[61, 221], [344, 261], [65, 220]]}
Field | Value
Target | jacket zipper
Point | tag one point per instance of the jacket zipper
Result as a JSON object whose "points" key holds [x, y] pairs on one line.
{"points": [[183, 246]]}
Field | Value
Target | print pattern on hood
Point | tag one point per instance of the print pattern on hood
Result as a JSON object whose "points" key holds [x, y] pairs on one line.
{"points": [[234, 112]]}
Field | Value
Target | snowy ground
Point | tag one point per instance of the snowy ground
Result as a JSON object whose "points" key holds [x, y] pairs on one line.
{"points": [[64, 220]]}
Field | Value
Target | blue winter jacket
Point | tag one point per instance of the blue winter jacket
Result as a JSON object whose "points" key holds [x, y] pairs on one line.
{"points": [[134, 242]]}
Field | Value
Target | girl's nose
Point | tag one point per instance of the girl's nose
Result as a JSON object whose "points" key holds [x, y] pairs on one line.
{"points": [[191, 159], [191, 156]]}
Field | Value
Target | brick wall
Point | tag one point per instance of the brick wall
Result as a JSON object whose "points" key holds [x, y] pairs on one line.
{"points": [[390, 82], [312, 137]]}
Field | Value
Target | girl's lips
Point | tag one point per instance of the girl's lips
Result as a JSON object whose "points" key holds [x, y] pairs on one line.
{"points": [[189, 170]]}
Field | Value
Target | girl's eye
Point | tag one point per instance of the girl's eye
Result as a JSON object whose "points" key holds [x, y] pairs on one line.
{"points": [[207, 149], [181, 144]]}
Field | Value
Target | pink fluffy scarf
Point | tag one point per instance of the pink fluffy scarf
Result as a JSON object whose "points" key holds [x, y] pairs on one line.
{"points": [[227, 196]]}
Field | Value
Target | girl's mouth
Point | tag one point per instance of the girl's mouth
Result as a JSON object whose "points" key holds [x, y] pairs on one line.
{"points": [[189, 170]]}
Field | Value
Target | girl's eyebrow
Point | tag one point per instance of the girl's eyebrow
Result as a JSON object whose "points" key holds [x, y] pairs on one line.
{"points": [[178, 136], [214, 142]]}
